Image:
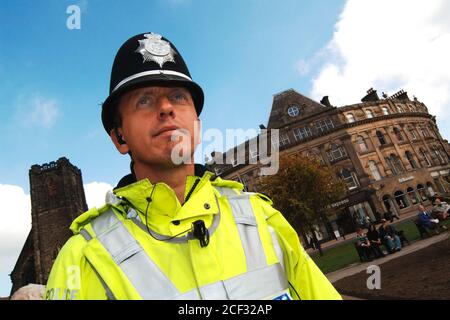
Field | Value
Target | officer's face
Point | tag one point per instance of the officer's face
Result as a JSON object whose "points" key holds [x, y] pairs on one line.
{"points": [[151, 118]]}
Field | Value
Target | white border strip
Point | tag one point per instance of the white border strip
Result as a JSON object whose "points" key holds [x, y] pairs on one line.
{"points": [[148, 73]]}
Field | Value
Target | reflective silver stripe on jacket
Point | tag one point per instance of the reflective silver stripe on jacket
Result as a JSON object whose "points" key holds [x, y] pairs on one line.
{"points": [[248, 228], [260, 281], [131, 258]]}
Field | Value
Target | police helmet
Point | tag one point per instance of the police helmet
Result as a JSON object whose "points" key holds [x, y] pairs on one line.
{"points": [[147, 59]]}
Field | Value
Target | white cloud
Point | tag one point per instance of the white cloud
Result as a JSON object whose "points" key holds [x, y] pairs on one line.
{"points": [[389, 45], [43, 112], [95, 193], [15, 217]]}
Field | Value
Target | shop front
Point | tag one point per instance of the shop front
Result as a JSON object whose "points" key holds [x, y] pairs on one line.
{"points": [[356, 210]]}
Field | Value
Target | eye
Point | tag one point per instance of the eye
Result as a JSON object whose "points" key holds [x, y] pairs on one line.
{"points": [[180, 96], [144, 101]]}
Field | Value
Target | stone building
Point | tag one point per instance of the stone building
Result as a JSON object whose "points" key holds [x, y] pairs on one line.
{"points": [[57, 198], [388, 151]]}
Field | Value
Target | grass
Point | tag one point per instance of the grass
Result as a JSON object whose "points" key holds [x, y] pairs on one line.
{"points": [[344, 255]]}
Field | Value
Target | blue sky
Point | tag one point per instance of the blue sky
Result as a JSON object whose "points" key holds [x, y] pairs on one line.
{"points": [[241, 52]]}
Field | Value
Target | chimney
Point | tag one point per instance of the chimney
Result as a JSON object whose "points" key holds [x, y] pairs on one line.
{"points": [[262, 127], [371, 96], [326, 102], [401, 95]]}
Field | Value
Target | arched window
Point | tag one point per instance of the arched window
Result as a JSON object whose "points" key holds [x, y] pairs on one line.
{"points": [[380, 137], [425, 157], [361, 144], [398, 134], [401, 200], [350, 117], [374, 170], [369, 114], [422, 192], [399, 109], [411, 160], [385, 111], [413, 195], [350, 179]]}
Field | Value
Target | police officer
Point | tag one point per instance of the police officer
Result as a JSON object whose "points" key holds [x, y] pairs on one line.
{"points": [[171, 229]]}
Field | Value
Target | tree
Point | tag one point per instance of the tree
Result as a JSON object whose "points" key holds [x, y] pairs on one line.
{"points": [[302, 190]]}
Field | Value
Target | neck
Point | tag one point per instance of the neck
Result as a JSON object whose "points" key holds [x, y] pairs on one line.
{"points": [[174, 177]]}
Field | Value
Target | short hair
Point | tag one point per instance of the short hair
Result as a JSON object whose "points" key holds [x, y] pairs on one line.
{"points": [[116, 116]]}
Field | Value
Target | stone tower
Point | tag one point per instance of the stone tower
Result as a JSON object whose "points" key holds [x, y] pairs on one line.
{"points": [[57, 198]]}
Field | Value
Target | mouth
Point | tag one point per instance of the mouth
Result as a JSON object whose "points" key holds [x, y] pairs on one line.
{"points": [[166, 129]]}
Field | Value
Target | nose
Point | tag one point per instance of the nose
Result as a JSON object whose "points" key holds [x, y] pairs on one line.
{"points": [[165, 108]]}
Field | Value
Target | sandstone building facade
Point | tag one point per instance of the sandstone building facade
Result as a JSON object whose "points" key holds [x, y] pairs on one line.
{"points": [[388, 151]]}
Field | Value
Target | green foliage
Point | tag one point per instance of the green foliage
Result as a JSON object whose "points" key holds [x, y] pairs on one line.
{"points": [[302, 188]]}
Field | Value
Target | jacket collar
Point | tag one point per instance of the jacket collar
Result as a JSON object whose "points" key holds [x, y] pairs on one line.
{"points": [[199, 171], [165, 207]]}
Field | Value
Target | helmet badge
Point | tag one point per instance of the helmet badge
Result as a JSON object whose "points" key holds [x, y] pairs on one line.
{"points": [[154, 48]]}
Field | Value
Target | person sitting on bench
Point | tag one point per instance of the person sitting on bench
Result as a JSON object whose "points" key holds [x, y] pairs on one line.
{"points": [[390, 238], [427, 221], [375, 241], [362, 245]]}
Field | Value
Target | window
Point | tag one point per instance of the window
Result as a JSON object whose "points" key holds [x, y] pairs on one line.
{"points": [[430, 189], [293, 111], [350, 179], [411, 160], [324, 125], [422, 192], [385, 111], [413, 195], [336, 152], [361, 144], [399, 109], [387, 202], [425, 157], [302, 133], [398, 134], [424, 132], [439, 185], [284, 140], [374, 170], [369, 114], [439, 155], [235, 162], [412, 133], [395, 164], [380, 137], [350, 117], [401, 200]]}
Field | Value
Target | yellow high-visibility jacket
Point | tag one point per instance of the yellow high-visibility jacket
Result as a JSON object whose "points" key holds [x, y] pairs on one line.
{"points": [[142, 245]]}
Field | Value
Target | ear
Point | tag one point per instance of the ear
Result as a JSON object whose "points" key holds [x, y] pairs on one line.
{"points": [[122, 148]]}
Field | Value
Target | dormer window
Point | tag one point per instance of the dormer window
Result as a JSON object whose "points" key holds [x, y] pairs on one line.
{"points": [[293, 111]]}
